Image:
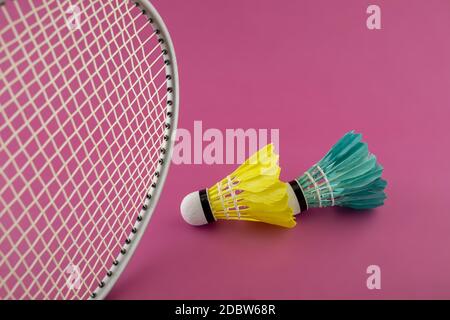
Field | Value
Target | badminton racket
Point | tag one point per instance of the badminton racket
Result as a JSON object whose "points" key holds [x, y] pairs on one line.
{"points": [[89, 106]]}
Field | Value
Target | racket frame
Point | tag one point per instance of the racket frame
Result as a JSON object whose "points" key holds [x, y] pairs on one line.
{"points": [[135, 235]]}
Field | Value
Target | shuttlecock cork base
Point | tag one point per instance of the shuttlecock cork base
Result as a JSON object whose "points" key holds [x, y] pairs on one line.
{"points": [[253, 192], [196, 210]]}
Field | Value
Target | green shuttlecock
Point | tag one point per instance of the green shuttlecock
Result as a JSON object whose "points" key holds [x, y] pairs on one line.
{"points": [[347, 176]]}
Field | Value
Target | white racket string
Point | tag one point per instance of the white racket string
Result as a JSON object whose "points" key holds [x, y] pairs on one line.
{"points": [[83, 119]]}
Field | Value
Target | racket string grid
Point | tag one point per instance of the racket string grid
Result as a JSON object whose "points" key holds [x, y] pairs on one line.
{"points": [[86, 120]]}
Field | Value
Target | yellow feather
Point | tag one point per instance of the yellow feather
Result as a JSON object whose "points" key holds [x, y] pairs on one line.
{"points": [[253, 192]]}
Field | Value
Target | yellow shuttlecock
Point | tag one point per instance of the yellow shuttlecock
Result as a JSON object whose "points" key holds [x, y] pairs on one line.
{"points": [[253, 192]]}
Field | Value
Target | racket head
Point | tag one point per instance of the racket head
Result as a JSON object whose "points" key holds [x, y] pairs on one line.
{"points": [[127, 53]]}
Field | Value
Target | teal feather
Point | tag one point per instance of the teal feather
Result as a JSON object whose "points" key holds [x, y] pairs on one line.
{"points": [[347, 176]]}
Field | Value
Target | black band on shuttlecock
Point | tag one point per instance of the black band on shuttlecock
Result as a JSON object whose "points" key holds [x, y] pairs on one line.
{"points": [[299, 194], [206, 206]]}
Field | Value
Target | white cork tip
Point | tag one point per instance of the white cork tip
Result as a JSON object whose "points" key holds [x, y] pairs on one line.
{"points": [[192, 211]]}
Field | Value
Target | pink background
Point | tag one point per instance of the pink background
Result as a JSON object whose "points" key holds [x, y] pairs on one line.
{"points": [[313, 70]]}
